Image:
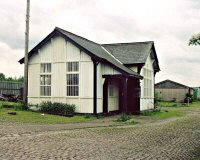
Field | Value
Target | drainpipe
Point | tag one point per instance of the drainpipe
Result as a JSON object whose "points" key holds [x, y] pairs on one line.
{"points": [[95, 63]]}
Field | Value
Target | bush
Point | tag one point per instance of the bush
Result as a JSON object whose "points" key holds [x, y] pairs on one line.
{"points": [[20, 106], [188, 96], [158, 98], [57, 108], [124, 117]]}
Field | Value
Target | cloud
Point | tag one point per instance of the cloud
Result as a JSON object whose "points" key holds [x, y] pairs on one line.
{"points": [[9, 60], [169, 23]]}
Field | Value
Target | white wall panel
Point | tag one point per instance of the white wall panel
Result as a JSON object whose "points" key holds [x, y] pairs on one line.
{"points": [[44, 99], [34, 59], [106, 69], [59, 99], [86, 79], [46, 52], [86, 105], [73, 53], [147, 103], [33, 101], [99, 105], [85, 57], [33, 80], [59, 49], [58, 80]]}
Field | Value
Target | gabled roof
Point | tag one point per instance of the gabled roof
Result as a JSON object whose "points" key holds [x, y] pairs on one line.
{"points": [[170, 84], [133, 53], [95, 50]]}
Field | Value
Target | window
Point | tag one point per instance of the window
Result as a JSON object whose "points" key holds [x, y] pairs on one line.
{"points": [[147, 83], [72, 79], [111, 91], [45, 79]]}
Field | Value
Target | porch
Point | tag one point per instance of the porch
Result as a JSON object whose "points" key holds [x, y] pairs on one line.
{"points": [[121, 94]]}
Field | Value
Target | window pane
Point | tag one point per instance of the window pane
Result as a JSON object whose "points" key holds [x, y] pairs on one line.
{"points": [[42, 80], [47, 80], [48, 67], [45, 68], [72, 90], [72, 66], [111, 91], [45, 90], [72, 79]]}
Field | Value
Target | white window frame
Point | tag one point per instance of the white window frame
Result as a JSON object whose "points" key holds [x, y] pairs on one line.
{"points": [[73, 73], [147, 82], [45, 72]]}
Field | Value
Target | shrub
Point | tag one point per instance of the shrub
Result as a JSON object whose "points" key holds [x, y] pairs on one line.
{"points": [[20, 106], [189, 97], [57, 108], [158, 98], [124, 117]]}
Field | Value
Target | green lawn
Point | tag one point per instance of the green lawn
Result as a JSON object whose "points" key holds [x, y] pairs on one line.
{"points": [[37, 118], [163, 114]]}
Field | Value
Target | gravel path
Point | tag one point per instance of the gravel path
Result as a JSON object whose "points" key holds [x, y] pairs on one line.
{"points": [[170, 139]]}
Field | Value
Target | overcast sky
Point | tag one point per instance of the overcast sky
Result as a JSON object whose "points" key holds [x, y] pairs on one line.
{"points": [[169, 23]]}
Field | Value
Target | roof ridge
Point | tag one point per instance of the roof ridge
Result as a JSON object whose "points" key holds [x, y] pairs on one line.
{"points": [[128, 43], [111, 55], [76, 35], [169, 80]]}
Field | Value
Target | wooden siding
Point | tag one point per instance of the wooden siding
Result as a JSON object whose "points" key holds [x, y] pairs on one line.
{"points": [[172, 94], [170, 84], [147, 102], [102, 69], [113, 101], [58, 52]]}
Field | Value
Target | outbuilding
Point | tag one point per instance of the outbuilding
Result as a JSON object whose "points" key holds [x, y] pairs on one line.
{"points": [[172, 91], [97, 78]]}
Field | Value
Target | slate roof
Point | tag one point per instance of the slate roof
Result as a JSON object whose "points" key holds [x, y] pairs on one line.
{"points": [[97, 50], [133, 53], [91, 47], [170, 84]]}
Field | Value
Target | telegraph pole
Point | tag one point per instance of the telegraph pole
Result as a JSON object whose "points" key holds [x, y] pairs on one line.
{"points": [[25, 92]]}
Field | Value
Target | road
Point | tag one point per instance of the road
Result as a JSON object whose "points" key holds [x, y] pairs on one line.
{"points": [[175, 138]]}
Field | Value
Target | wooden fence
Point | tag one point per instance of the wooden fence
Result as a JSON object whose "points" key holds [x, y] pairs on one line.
{"points": [[10, 87]]}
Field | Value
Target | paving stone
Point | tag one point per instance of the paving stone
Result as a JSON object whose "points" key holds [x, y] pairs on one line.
{"points": [[170, 139]]}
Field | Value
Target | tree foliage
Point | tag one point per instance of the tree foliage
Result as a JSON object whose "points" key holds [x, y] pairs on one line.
{"points": [[15, 79], [195, 40]]}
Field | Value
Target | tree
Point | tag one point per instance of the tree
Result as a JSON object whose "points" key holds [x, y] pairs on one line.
{"points": [[195, 40], [2, 77]]}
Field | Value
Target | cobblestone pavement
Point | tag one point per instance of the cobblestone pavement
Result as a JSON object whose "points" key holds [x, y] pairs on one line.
{"points": [[170, 139]]}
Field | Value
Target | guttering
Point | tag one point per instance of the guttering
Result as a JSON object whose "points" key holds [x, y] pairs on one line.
{"points": [[95, 64]]}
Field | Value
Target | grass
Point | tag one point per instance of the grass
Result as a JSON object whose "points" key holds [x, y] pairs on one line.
{"points": [[163, 114], [36, 118], [169, 104]]}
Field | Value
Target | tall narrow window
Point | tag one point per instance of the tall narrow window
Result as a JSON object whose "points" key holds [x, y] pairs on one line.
{"points": [[147, 83], [45, 79], [72, 78]]}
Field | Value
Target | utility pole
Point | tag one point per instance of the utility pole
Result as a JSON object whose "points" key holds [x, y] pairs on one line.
{"points": [[25, 92]]}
